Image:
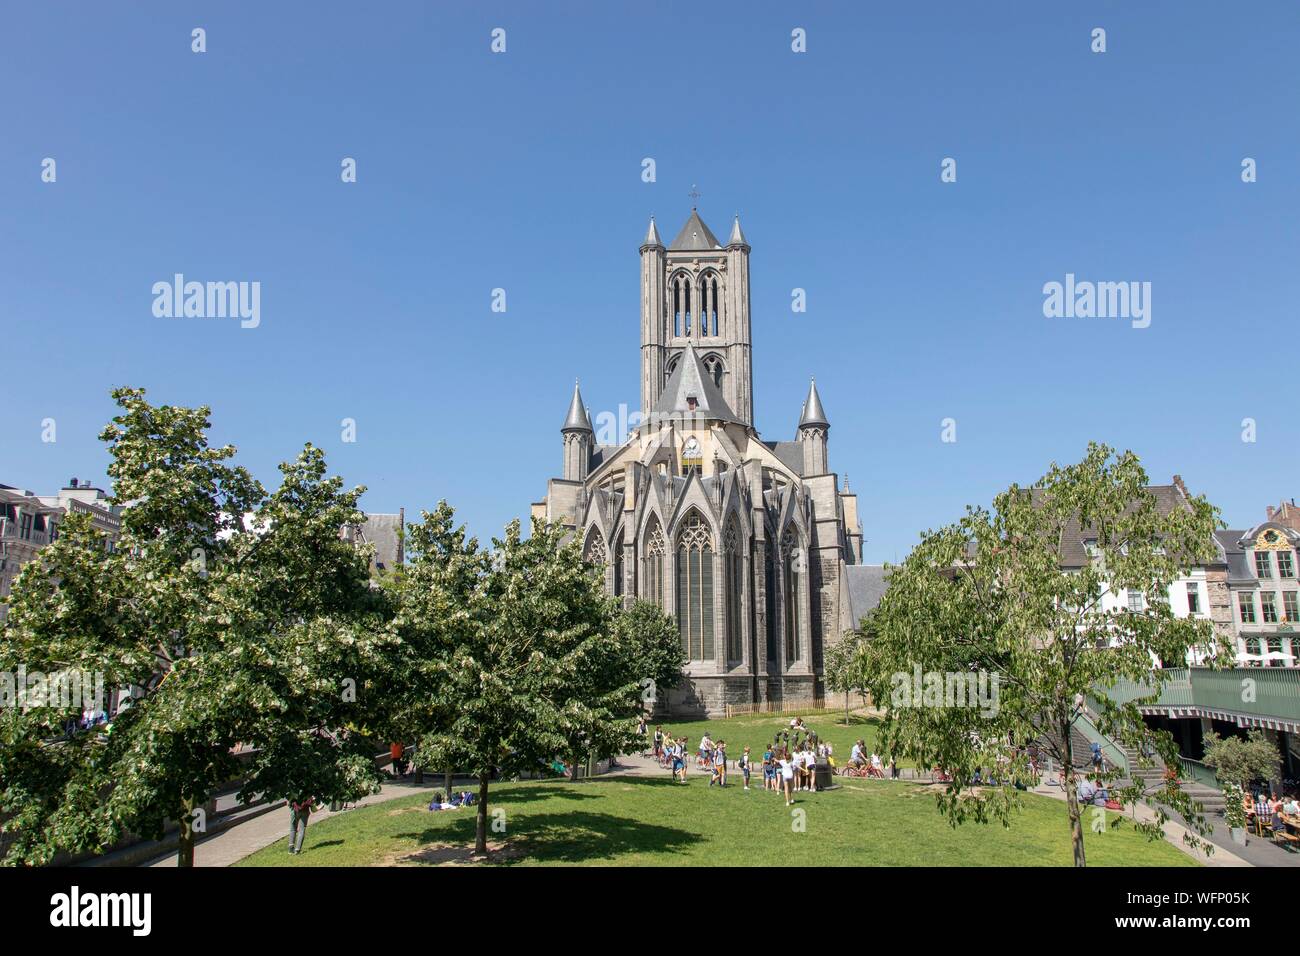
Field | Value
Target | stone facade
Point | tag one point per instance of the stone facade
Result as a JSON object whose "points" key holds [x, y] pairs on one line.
{"points": [[747, 542]]}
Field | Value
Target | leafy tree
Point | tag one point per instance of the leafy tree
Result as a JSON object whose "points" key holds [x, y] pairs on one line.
{"points": [[988, 597], [518, 649], [1241, 762], [652, 644], [846, 664], [213, 611]]}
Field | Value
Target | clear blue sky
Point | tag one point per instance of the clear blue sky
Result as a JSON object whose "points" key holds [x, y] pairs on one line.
{"points": [[522, 171]]}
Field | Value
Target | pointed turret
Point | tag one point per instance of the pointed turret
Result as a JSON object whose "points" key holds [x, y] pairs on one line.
{"points": [[813, 428], [579, 439], [577, 419], [813, 413], [652, 236], [737, 237]]}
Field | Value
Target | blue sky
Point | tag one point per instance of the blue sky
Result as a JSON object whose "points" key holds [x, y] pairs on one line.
{"points": [[522, 171]]}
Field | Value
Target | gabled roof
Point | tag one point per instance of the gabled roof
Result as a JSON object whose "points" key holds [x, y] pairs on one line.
{"points": [[695, 236], [691, 380]]}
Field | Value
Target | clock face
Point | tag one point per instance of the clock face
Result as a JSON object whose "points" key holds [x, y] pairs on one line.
{"points": [[692, 448]]}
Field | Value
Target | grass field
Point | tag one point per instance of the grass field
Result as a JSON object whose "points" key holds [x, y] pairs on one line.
{"points": [[649, 821]]}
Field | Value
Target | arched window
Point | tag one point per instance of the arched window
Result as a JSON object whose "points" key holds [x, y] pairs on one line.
{"points": [[595, 550], [682, 311], [695, 588], [652, 575], [710, 304], [618, 565], [769, 598], [734, 588], [713, 365], [792, 561]]}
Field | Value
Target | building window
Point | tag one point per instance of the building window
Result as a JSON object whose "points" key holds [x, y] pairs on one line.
{"points": [[1268, 607], [695, 588], [25, 526], [1275, 649], [1289, 608], [1193, 599], [652, 588], [1246, 604], [1285, 565], [1262, 567], [1252, 651], [769, 601], [1135, 603], [735, 590], [618, 565], [792, 596]]}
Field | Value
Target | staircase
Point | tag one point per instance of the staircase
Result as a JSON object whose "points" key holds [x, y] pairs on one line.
{"points": [[1152, 778]]}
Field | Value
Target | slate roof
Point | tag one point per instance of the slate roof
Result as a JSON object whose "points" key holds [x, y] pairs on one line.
{"points": [[382, 530], [813, 413], [866, 586], [691, 380], [695, 236], [577, 419]]}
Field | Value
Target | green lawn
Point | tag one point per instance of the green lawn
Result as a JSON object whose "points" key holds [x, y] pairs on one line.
{"points": [[630, 821]]}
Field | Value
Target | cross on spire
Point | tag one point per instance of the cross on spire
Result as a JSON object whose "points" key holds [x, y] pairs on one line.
{"points": [[694, 194]]}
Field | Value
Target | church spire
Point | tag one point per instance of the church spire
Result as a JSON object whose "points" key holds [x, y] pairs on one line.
{"points": [[652, 235], [813, 413], [577, 419], [737, 237]]}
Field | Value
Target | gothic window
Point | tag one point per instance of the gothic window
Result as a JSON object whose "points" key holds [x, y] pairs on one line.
{"points": [[769, 600], [618, 565], [710, 310], [680, 290], [734, 588], [695, 588], [713, 365], [595, 551], [652, 588], [792, 563], [670, 368]]}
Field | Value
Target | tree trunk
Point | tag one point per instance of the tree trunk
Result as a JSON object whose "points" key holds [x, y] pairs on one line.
{"points": [[480, 829], [1072, 798], [185, 849], [573, 772], [447, 779]]}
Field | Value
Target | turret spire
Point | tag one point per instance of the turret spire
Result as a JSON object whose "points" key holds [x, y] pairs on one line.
{"points": [[577, 419], [813, 413]]}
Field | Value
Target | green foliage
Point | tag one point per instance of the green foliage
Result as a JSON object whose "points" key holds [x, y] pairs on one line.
{"points": [[988, 595], [652, 646], [231, 616], [1241, 762], [514, 654]]}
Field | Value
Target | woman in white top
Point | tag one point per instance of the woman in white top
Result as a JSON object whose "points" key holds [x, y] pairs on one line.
{"points": [[787, 775]]}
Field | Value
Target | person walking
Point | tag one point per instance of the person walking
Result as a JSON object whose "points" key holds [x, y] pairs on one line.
{"points": [[299, 811]]}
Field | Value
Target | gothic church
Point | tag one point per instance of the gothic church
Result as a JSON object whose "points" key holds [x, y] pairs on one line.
{"points": [[752, 545]]}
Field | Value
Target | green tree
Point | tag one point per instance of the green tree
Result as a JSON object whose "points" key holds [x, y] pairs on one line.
{"points": [[847, 663], [232, 617], [1240, 762], [518, 653], [652, 645], [988, 597]]}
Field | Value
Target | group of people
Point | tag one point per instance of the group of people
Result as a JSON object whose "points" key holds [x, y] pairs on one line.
{"points": [[789, 762], [1269, 808]]}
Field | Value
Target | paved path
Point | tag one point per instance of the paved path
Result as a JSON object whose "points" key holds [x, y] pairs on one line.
{"points": [[243, 839]]}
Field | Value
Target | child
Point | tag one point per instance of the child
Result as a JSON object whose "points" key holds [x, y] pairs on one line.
{"points": [[681, 756], [769, 768], [787, 776], [744, 766], [675, 756], [720, 763], [659, 742]]}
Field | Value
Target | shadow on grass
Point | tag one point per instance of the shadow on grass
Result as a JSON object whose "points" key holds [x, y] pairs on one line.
{"points": [[572, 837]]}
